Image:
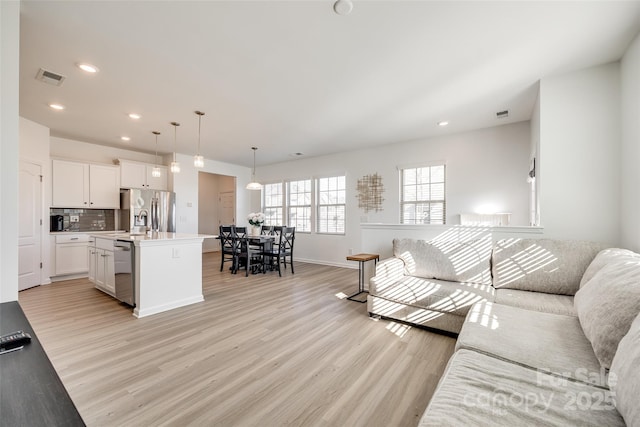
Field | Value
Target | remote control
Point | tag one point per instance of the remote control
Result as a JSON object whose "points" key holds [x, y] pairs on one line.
{"points": [[14, 339]]}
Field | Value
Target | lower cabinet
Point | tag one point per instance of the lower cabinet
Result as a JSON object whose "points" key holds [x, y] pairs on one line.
{"points": [[70, 254], [101, 266]]}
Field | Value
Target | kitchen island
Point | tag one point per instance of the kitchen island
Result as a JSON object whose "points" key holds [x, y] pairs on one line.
{"points": [[166, 269]]}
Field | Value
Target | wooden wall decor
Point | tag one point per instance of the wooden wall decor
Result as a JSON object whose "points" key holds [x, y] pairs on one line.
{"points": [[370, 191]]}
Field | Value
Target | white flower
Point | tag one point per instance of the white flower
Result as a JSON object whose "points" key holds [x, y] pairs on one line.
{"points": [[256, 218]]}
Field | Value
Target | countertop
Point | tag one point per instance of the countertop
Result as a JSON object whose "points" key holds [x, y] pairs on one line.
{"points": [[97, 232], [158, 236]]}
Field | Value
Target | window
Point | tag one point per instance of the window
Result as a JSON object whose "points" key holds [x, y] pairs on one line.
{"points": [[422, 195], [331, 199], [273, 204], [299, 203]]}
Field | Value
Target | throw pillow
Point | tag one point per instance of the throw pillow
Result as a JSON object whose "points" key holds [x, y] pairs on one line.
{"points": [[458, 261], [603, 258], [624, 376], [542, 265], [607, 305]]}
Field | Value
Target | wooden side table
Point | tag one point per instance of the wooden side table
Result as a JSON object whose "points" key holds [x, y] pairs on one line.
{"points": [[362, 258]]}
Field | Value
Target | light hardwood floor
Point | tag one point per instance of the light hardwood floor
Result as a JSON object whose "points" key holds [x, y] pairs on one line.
{"points": [[259, 351]]}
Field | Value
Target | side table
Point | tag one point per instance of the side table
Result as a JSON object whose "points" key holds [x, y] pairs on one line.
{"points": [[362, 258]]}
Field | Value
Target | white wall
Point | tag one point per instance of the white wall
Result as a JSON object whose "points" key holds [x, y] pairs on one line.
{"points": [[34, 148], [92, 153], [630, 150], [580, 154], [487, 167], [185, 185], [9, 128]]}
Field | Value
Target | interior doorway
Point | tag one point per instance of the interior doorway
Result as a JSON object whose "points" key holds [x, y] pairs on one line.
{"points": [[216, 205], [29, 225]]}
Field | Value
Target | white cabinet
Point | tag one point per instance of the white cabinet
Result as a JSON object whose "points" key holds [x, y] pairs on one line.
{"points": [[102, 263], [91, 257], [83, 185], [139, 175], [71, 254]]}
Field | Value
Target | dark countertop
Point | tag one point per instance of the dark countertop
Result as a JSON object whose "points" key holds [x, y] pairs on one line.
{"points": [[31, 393]]}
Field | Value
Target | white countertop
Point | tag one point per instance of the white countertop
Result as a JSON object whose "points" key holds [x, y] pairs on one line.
{"points": [[158, 236]]}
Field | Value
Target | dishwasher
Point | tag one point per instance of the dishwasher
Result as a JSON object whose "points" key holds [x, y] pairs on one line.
{"points": [[124, 262]]}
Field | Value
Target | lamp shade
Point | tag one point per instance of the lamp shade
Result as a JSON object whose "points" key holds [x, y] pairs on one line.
{"points": [[253, 185]]}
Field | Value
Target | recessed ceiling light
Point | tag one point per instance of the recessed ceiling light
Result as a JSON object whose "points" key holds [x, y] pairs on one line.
{"points": [[135, 116], [443, 123], [57, 106], [88, 67], [125, 138], [297, 154], [343, 7]]}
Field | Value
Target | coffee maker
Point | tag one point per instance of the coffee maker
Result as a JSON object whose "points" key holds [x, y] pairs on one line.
{"points": [[57, 223]]}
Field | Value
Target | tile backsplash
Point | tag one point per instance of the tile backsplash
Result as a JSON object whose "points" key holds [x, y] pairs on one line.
{"points": [[88, 219]]}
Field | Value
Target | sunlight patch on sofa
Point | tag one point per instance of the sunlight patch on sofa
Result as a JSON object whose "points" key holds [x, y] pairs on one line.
{"points": [[482, 314], [528, 260]]}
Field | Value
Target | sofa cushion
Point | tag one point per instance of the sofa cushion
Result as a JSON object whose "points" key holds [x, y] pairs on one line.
{"points": [[538, 301], [603, 258], [542, 265], [624, 377], [480, 390], [460, 261], [551, 343], [607, 305], [438, 295]]}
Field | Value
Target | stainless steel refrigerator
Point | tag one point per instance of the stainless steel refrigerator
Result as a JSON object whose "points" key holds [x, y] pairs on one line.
{"points": [[144, 210]]}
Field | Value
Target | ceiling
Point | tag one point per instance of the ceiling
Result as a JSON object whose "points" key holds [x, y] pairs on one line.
{"points": [[294, 77]]}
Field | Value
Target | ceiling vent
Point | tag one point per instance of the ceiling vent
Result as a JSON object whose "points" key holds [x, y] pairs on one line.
{"points": [[502, 114], [50, 77]]}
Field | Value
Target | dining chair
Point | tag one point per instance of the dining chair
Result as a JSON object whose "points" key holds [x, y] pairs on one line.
{"points": [[288, 236], [271, 254], [227, 246], [247, 255], [266, 230]]}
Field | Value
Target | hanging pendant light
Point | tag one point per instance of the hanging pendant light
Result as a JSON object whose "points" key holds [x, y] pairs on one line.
{"points": [[198, 160], [175, 166], [155, 172], [254, 185]]}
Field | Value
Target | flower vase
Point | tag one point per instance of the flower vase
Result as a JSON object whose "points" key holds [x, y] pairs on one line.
{"points": [[254, 230]]}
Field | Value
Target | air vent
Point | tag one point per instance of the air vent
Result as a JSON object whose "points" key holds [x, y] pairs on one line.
{"points": [[50, 77], [502, 114]]}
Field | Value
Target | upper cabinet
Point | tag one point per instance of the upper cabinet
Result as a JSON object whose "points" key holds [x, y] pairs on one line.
{"points": [[139, 175], [83, 185]]}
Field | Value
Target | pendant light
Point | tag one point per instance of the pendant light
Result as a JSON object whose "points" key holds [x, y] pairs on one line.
{"points": [[198, 160], [155, 172], [175, 166], [254, 185]]}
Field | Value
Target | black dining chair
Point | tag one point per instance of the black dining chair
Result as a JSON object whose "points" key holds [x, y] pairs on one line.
{"points": [[281, 248], [247, 255], [227, 246], [266, 230], [286, 247]]}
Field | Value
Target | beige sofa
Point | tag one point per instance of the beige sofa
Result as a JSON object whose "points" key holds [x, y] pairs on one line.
{"points": [[435, 283], [523, 358]]}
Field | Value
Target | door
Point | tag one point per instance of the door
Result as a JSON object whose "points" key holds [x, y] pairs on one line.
{"points": [[226, 208], [70, 187], [104, 184], [29, 225]]}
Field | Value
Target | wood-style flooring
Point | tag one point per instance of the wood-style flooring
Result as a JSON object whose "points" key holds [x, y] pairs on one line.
{"points": [[259, 351]]}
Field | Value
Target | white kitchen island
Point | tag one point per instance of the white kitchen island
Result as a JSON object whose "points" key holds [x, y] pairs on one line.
{"points": [[167, 270]]}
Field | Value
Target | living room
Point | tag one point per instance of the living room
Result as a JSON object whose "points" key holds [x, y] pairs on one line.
{"points": [[582, 129]]}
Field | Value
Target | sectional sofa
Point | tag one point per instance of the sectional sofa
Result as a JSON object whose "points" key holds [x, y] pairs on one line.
{"points": [[544, 328]]}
